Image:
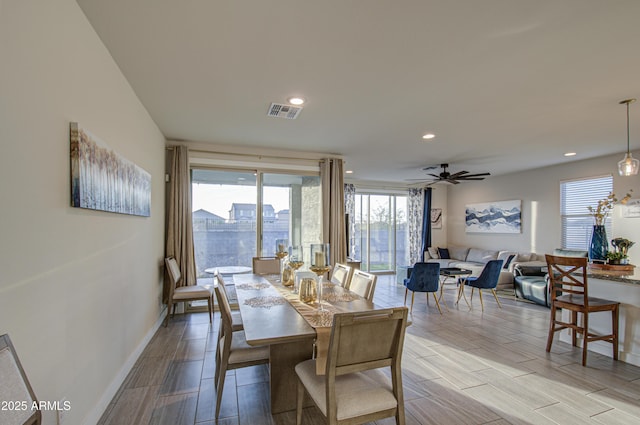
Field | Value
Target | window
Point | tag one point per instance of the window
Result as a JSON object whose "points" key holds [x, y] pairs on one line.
{"points": [[227, 202], [575, 197]]}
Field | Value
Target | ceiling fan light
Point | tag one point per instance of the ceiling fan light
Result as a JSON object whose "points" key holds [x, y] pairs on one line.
{"points": [[628, 166]]}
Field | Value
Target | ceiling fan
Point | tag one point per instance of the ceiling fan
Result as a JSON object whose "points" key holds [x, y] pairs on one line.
{"points": [[454, 178]]}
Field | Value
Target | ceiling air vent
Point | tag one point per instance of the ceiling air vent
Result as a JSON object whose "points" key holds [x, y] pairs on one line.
{"points": [[284, 111]]}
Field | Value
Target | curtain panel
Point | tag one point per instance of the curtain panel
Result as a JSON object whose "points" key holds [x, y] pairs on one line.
{"points": [[426, 222], [333, 226], [179, 242], [415, 212], [350, 209]]}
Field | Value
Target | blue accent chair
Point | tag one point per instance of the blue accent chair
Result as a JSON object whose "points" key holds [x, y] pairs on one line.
{"points": [[488, 279], [424, 277]]}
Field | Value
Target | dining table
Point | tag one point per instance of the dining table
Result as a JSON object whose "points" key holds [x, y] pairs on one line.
{"points": [[273, 315]]}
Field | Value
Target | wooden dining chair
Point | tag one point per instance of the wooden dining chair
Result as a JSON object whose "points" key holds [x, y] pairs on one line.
{"points": [[363, 284], [236, 318], [15, 388], [266, 265], [570, 290], [232, 351], [341, 275], [356, 387], [185, 293], [488, 279]]}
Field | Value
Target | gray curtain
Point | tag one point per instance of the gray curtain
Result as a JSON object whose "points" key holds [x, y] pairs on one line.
{"points": [[333, 227], [179, 224], [415, 213]]}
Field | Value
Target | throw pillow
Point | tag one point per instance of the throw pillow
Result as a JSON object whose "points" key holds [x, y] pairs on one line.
{"points": [[433, 252], [444, 253], [508, 261]]}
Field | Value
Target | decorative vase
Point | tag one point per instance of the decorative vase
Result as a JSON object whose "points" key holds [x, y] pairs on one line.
{"points": [[599, 244]]}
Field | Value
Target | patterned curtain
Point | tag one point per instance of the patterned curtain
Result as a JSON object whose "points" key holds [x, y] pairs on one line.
{"points": [[416, 208], [179, 225], [350, 208]]}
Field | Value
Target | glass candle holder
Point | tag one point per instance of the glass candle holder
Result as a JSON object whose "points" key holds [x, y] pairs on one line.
{"points": [[295, 262], [320, 264], [282, 250]]}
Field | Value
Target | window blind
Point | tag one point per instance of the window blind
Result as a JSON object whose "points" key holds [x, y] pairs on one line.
{"points": [[575, 198]]}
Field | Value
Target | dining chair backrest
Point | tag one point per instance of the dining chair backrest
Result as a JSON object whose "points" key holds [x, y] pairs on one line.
{"points": [[225, 309], [568, 275], [425, 277], [266, 265], [366, 340], [15, 387], [363, 284], [341, 275], [489, 276], [173, 271]]}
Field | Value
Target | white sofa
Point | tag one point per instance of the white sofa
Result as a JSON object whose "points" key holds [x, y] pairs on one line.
{"points": [[474, 259]]}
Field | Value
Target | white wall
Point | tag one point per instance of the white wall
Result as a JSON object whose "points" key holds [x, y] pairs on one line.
{"points": [[79, 289], [539, 191]]}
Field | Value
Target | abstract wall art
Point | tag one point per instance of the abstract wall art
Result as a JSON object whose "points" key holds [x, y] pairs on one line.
{"points": [[436, 218], [494, 217], [103, 180]]}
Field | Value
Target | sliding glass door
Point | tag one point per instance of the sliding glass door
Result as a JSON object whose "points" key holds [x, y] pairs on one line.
{"points": [[381, 232]]}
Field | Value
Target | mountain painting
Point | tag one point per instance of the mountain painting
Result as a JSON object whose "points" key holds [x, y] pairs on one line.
{"points": [[494, 217]]}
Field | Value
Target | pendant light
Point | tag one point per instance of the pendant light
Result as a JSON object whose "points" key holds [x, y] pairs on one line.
{"points": [[629, 165]]}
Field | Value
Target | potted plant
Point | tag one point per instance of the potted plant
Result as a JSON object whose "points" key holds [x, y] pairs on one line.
{"points": [[615, 257]]}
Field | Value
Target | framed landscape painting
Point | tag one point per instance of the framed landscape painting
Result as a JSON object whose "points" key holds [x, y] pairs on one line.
{"points": [[494, 217], [103, 180]]}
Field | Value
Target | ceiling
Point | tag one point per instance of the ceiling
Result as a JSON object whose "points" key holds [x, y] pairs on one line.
{"points": [[506, 85]]}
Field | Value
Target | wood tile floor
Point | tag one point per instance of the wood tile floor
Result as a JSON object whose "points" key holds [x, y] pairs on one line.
{"points": [[462, 367]]}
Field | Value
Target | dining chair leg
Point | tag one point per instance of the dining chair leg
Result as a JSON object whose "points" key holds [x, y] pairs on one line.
{"points": [[585, 337], [412, 295], [406, 291], [210, 305], [435, 298], [480, 295], [495, 295], [299, 402], [221, 378], [574, 331], [552, 325]]}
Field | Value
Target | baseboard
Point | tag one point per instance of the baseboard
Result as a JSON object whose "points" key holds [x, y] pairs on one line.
{"points": [[96, 413]]}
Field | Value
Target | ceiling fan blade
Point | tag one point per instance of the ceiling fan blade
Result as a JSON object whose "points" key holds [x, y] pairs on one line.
{"points": [[458, 174], [431, 167], [453, 181], [434, 175], [477, 175], [470, 178]]}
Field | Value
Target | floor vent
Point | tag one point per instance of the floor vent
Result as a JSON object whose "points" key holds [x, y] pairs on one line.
{"points": [[284, 111]]}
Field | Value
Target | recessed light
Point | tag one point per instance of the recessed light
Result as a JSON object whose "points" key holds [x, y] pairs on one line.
{"points": [[349, 172], [428, 136], [295, 100], [570, 154]]}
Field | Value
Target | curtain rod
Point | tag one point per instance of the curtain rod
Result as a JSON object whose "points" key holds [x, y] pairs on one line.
{"points": [[253, 155]]}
